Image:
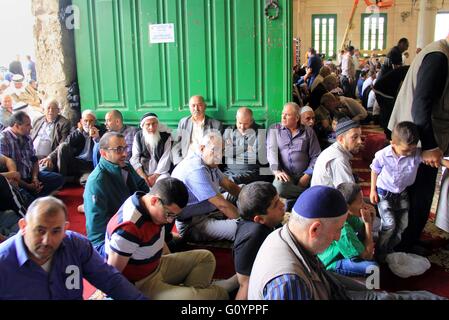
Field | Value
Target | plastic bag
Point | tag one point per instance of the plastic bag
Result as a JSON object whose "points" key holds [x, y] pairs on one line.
{"points": [[405, 265]]}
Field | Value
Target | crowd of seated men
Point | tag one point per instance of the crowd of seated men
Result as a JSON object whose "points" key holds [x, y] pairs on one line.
{"points": [[213, 183]]}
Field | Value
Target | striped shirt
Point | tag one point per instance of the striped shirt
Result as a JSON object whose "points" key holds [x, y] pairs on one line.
{"points": [[132, 233], [287, 287]]}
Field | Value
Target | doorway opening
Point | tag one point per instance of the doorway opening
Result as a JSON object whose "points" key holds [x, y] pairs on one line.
{"points": [[16, 32], [441, 25]]}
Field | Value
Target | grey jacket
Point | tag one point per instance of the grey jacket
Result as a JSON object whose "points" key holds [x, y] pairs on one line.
{"points": [[60, 133]]}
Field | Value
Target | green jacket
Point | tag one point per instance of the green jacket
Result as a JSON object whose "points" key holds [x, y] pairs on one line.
{"points": [[105, 193], [348, 246]]}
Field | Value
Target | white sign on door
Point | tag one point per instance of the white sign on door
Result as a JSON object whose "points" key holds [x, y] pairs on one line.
{"points": [[162, 33]]}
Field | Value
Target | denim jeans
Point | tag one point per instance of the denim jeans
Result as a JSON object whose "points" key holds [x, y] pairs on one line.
{"points": [[353, 267], [393, 210], [51, 181]]}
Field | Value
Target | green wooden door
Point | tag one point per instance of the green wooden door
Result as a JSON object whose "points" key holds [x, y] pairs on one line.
{"points": [[225, 50]]}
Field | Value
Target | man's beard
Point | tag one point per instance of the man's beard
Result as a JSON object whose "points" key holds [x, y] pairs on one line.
{"points": [[151, 139]]}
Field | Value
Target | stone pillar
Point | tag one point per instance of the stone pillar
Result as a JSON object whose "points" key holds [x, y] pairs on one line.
{"points": [[426, 23], [55, 52]]}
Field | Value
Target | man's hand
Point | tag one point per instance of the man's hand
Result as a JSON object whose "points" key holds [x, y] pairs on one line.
{"points": [[432, 157], [94, 133], [46, 162], [35, 186], [373, 197], [304, 181], [366, 216], [282, 176], [151, 180], [369, 208]]}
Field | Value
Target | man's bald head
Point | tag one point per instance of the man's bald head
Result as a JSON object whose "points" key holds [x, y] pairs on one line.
{"points": [[46, 206], [114, 120], [197, 107], [244, 119]]}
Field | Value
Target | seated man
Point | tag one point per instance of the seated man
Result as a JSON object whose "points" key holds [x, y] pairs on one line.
{"points": [[333, 165], [352, 108], [292, 151], [48, 132], [203, 179], [326, 113], [151, 150], [135, 246], [191, 129], [108, 186], [287, 266], [242, 148], [5, 111], [261, 211], [15, 143], [114, 123], [307, 116], [75, 155], [25, 94], [45, 261]]}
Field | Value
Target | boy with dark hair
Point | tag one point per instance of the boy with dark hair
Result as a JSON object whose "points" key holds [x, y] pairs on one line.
{"points": [[261, 211], [393, 169], [352, 254]]}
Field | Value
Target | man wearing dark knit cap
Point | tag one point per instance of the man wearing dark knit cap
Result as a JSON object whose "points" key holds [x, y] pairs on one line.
{"points": [[287, 266], [288, 258], [333, 164]]}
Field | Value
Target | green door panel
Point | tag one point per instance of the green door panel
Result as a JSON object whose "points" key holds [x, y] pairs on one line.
{"points": [[225, 50]]}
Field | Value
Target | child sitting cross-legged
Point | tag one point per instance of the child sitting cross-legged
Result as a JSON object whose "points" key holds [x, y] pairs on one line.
{"points": [[352, 254]]}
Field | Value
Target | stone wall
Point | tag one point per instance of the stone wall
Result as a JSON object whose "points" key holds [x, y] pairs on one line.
{"points": [[55, 52]]}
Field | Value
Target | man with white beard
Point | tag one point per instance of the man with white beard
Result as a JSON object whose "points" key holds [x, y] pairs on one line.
{"points": [[151, 150]]}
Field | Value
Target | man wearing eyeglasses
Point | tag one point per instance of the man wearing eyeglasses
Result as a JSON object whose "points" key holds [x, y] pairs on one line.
{"points": [[108, 186], [135, 246]]}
